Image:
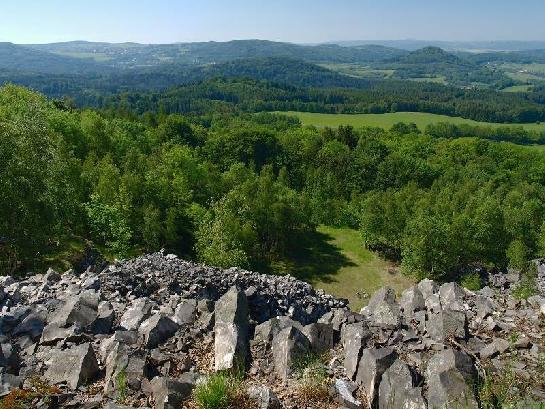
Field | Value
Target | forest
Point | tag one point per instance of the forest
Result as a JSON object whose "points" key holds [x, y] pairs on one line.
{"points": [[238, 188]]}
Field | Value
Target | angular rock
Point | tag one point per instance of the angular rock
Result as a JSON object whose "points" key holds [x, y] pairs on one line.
{"points": [[383, 310], [81, 310], [9, 382], [428, 287], [263, 397], [139, 310], [354, 340], [320, 337], [450, 376], [451, 294], [496, 347], [373, 364], [446, 324], [54, 333], [185, 312], [105, 319], [396, 390], [343, 394], [266, 331], [289, 345], [75, 366], [169, 393], [32, 326], [411, 301], [52, 276], [231, 330], [156, 330]]}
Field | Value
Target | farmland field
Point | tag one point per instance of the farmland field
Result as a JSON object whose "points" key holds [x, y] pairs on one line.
{"points": [[386, 121]]}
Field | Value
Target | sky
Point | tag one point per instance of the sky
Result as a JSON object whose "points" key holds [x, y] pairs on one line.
{"points": [[300, 21]]}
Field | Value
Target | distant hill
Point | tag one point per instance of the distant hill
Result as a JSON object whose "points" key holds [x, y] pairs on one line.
{"points": [[22, 58], [472, 46], [430, 55], [130, 55]]}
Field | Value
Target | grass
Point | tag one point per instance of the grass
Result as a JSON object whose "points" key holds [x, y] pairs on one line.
{"points": [[222, 390], [386, 121], [334, 259], [313, 382], [519, 88]]}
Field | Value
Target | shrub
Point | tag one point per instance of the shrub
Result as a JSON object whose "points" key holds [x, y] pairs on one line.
{"points": [[471, 281]]}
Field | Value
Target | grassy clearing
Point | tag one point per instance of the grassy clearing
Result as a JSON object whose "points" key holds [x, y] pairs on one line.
{"points": [[98, 57], [519, 88], [386, 121], [335, 260], [359, 71]]}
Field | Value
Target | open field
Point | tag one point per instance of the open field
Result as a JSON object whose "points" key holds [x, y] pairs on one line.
{"points": [[358, 70], [335, 260], [386, 121], [518, 88]]}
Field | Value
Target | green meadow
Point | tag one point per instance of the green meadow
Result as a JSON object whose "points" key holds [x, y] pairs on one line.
{"points": [[386, 121]]}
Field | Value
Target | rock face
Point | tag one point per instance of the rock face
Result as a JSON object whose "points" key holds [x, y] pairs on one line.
{"points": [[146, 331]]}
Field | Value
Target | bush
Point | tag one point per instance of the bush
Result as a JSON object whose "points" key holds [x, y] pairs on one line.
{"points": [[471, 281]]}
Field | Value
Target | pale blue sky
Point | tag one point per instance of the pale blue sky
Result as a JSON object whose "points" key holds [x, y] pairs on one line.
{"points": [[166, 21]]}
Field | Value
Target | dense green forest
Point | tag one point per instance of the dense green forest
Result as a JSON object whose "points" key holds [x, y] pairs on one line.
{"points": [[250, 95], [235, 188]]}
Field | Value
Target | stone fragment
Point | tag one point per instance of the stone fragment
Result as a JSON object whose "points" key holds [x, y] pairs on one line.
{"points": [[396, 390], [231, 330], [452, 295], [289, 345], [320, 337], [428, 287], [139, 310], [446, 324], [496, 347], [354, 340], [185, 312], [75, 366], [343, 394], [80, 310], [411, 301], [156, 330], [9, 382], [263, 397], [373, 363], [169, 393], [450, 376], [383, 310], [105, 319]]}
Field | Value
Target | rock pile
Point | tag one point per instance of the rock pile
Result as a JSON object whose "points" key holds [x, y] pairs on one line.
{"points": [[145, 331]]}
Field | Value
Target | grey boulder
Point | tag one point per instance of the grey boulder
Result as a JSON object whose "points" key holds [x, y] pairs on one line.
{"points": [[396, 390], [75, 366], [373, 364], [450, 376]]}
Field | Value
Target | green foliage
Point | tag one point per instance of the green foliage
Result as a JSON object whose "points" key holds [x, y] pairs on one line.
{"points": [[220, 391], [121, 385], [471, 281], [241, 190], [108, 225]]}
